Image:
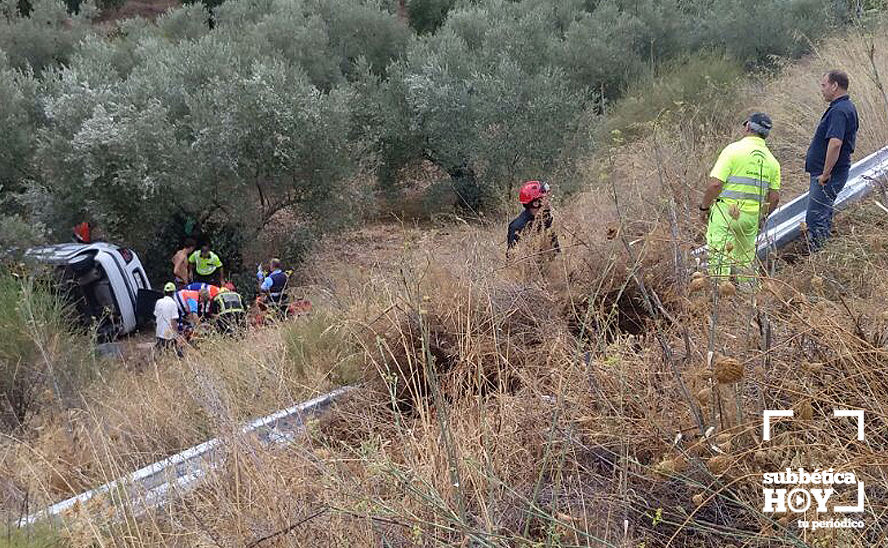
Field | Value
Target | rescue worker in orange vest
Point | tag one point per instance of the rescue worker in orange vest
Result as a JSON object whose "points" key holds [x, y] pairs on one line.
{"points": [[87, 232], [190, 303], [83, 233], [211, 289]]}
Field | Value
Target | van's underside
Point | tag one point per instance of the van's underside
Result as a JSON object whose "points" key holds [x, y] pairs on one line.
{"points": [[85, 283]]}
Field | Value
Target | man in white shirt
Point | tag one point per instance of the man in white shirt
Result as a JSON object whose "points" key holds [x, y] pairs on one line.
{"points": [[166, 316]]}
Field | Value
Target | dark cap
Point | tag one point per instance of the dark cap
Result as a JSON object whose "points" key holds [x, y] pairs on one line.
{"points": [[760, 123]]}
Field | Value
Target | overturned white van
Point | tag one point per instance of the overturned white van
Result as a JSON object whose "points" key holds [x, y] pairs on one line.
{"points": [[106, 283]]}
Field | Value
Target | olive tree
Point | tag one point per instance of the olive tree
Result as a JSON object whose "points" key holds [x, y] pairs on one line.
{"points": [[271, 141], [199, 129], [46, 37], [18, 119], [485, 100]]}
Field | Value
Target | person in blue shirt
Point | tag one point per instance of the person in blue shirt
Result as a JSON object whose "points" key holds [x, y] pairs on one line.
{"points": [[190, 303], [212, 291], [197, 286], [273, 285], [829, 156]]}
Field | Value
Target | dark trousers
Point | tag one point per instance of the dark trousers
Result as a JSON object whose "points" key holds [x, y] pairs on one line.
{"points": [[231, 323], [212, 279], [169, 344], [820, 208]]}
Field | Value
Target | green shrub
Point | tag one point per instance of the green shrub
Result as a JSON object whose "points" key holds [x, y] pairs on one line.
{"points": [[18, 123], [39, 535], [230, 126], [755, 31], [210, 5], [17, 234], [42, 357], [485, 101], [704, 81], [218, 139], [188, 23], [326, 39], [108, 5], [322, 344], [46, 37], [601, 50], [427, 15], [363, 30]]}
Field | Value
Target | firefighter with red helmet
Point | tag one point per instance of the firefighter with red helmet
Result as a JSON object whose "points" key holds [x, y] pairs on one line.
{"points": [[536, 217]]}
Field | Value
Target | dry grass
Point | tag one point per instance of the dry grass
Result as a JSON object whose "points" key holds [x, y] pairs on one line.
{"points": [[794, 101], [143, 410], [535, 402], [527, 433]]}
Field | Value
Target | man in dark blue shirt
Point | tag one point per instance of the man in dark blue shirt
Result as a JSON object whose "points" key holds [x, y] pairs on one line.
{"points": [[829, 156]]}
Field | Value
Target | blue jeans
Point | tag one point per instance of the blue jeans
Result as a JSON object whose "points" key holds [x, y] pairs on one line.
{"points": [[820, 208]]}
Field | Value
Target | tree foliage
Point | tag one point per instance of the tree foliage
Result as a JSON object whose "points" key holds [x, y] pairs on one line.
{"points": [[46, 37], [427, 15], [178, 120], [279, 108]]}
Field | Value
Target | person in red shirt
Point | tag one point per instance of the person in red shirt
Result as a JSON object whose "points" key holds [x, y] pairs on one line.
{"points": [[83, 233]]}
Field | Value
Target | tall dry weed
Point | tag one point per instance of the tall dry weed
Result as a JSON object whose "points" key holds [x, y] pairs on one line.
{"points": [[590, 398]]}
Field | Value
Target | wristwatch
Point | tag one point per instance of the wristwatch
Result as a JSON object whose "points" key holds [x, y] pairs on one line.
{"points": [[703, 208]]}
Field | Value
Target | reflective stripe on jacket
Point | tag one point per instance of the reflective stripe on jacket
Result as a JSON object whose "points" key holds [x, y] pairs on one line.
{"points": [[748, 170], [229, 302]]}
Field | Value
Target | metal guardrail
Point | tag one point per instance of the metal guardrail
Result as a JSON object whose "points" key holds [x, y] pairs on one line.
{"points": [[784, 224], [152, 485]]}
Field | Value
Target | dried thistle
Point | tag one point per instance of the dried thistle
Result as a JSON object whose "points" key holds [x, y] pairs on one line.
{"points": [[697, 284], [726, 289], [704, 395], [724, 442], [668, 468], [719, 464], [804, 410], [728, 370]]}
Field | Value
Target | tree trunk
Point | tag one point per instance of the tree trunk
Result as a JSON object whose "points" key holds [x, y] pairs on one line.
{"points": [[469, 194]]}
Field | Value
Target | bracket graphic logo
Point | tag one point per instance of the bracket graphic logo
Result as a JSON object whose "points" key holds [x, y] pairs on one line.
{"points": [[812, 487]]}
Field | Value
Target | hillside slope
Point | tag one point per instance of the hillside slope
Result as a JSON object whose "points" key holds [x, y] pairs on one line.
{"points": [[529, 403]]}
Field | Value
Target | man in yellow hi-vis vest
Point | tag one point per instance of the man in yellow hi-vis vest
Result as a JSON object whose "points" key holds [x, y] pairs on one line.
{"points": [[743, 190]]}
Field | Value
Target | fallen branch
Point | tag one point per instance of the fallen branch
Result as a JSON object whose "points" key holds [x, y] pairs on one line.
{"points": [[287, 529]]}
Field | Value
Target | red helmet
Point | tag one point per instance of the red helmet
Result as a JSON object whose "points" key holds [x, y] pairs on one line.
{"points": [[532, 190], [229, 286]]}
